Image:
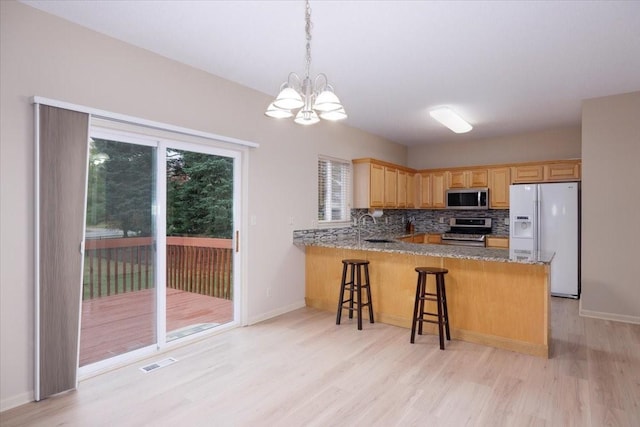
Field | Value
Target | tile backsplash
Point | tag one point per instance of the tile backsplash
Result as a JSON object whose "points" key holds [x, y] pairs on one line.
{"points": [[431, 221]]}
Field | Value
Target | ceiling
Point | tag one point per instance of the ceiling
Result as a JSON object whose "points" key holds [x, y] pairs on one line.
{"points": [[507, 67]]}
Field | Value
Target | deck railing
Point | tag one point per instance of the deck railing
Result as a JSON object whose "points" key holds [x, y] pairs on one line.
{"points": [[194, 264]]}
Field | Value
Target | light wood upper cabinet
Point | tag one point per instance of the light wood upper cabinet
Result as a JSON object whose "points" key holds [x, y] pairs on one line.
{"points": [[378, 184], [438, 188], [368, 184], [390, 187], [432, 189], [411, 189], [457, 179], [527, 173], [473, 178], [401, 188], [478, 178], [425, 199], [499, 181], [562, 171]]}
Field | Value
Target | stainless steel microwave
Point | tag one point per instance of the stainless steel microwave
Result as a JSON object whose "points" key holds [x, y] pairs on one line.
{"points": [[467, 198]]}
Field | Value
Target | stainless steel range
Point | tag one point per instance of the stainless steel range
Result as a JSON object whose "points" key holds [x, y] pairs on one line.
{"points": [[467, 231]]}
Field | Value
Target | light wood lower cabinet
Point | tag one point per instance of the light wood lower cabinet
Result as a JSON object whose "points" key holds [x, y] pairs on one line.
{"points": [[498, 242], [499, 304], [434, 239]]}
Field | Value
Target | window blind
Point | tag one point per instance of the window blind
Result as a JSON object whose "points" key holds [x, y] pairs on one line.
{"points": [[334, 189]]}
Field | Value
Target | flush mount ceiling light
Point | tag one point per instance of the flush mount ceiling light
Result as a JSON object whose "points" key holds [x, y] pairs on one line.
{"points": [[450, 119], [315, 98]]}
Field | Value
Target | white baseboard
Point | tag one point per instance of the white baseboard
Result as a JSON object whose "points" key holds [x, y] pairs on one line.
{"points": [[14, 401], [609, 316], [277, 312]]}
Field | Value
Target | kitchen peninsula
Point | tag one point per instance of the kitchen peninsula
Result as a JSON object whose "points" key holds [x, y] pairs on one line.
{"points": [[492, 299]]}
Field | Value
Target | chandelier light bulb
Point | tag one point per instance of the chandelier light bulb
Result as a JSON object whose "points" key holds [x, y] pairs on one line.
{"points": [[288, 99], [277, 113], [306, 117], [327, 101]]}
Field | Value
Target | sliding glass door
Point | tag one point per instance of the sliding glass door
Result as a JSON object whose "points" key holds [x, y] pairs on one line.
{"points": [[199, 254], [159, 245], [119, 283]]}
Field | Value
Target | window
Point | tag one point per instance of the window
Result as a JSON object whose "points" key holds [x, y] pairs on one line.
{"points": [[334, 183]]}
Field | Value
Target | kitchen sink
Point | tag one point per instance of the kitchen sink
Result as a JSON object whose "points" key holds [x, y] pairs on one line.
{"points": [[378, 240]]}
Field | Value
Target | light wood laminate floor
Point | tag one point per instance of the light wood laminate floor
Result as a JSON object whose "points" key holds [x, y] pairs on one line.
{"points": [[300, 369]]}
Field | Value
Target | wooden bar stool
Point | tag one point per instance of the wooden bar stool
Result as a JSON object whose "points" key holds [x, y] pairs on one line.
{"points": [[440, 297], [355, 267]]}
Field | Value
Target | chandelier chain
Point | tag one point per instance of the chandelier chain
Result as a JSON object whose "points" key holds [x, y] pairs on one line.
{"points": [[308, 32]]}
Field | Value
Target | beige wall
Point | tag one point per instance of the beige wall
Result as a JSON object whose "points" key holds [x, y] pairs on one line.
{"points": [[546, 145], [611, 207], [46, 56]]}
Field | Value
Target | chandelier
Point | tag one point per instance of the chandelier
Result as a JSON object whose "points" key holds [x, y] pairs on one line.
{"points": [[315, 98]]}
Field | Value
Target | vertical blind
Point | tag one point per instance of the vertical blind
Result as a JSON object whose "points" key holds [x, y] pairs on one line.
{"points": [[61, 152], [334, 189]]}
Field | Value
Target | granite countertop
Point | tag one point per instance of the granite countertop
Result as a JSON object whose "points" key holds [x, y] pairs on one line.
{"points": [[349, 241]]}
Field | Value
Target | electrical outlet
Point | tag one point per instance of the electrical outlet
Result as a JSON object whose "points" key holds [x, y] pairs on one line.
{"points": [[269, 292], [506, 221], [291, 220], [441, 220]]}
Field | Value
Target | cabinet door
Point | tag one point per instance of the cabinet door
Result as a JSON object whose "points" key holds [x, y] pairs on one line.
{"points": [[402, 188], [426, 190], [478, 178], [566, 171], [376, 186], [411, 190], [457, 179], [434, 239], [390, 187], [439, 183], [499, 180], [498, 242], [525, 174]]}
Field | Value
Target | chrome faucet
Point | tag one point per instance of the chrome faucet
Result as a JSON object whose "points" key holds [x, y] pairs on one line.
{"points": [[364, 215], [358, 221]]}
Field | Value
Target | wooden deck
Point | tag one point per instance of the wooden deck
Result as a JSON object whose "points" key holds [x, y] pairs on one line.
{"points": [[119, 323]]}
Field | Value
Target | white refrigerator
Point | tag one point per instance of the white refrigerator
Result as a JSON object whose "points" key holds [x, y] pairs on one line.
{"points": [[546, 218]]}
